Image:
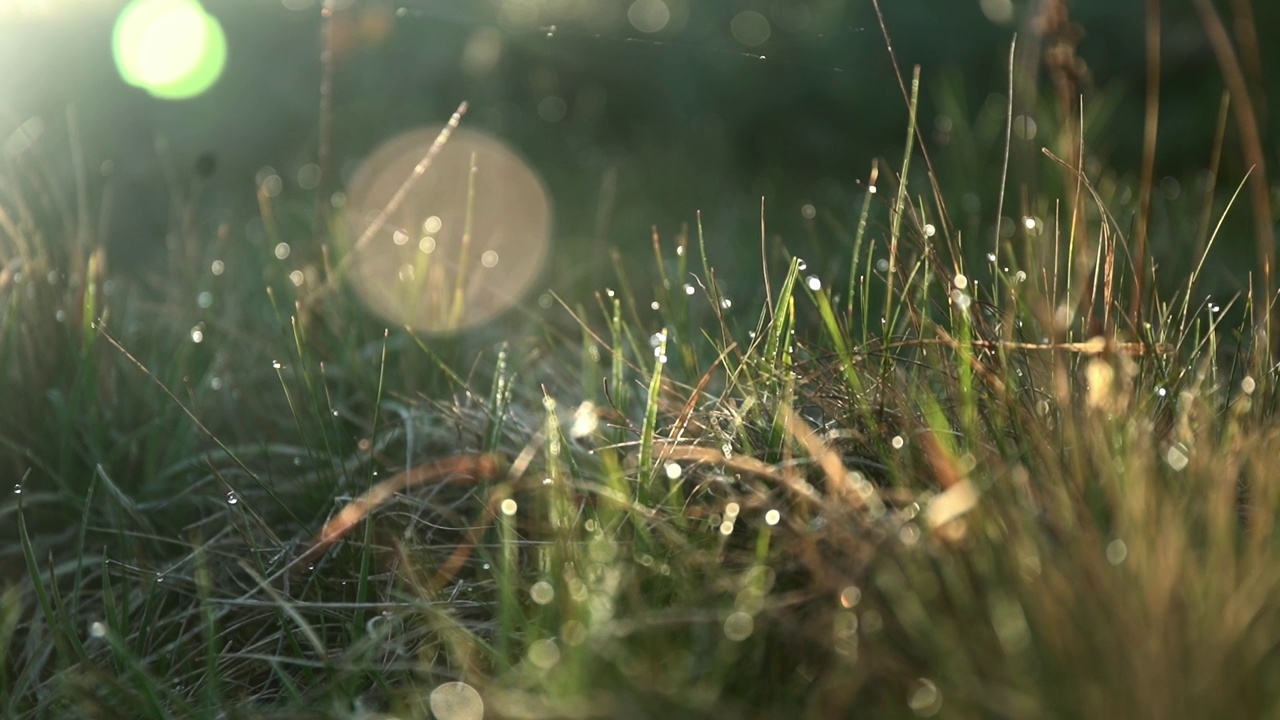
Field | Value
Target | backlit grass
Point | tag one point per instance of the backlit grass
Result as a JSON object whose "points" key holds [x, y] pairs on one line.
{"points": [[927, 486]]}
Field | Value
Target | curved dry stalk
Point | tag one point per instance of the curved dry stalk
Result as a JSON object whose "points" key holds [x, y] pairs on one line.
{"points": [[459, 469]]}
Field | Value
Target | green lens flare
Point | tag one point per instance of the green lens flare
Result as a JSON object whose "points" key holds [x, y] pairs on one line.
{"points": [[172, 49]]}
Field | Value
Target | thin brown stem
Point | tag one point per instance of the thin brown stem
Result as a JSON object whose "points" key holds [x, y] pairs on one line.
{"points": [[1149, 137], [1251, 145]]}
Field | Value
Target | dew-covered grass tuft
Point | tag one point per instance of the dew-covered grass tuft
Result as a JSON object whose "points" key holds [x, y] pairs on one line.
{"points": [[931, 480]]}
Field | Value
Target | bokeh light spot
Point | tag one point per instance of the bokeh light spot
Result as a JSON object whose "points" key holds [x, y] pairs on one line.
{"points": [[172, 49], [456, 701], [649, 16], [750, 28], [449, 279], [999, 12]]}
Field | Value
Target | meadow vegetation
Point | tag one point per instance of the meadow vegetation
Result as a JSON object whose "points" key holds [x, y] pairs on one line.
{"points": [[965, 474]]}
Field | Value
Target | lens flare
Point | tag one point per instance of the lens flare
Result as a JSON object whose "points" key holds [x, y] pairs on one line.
{"points": [[172, 49], [464, 244]]}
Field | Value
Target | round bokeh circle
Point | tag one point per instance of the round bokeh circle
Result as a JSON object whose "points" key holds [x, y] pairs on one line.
{"points": [[463, 244]]}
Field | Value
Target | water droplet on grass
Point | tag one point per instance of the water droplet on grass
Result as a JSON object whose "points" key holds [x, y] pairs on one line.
{"points": [[232, 498]]}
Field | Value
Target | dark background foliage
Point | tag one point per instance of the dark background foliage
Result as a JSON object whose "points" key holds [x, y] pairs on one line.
{"points": [[629, 130]]}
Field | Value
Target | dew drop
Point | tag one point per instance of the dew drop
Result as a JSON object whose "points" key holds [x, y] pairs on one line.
{"points": [[232, 498]]}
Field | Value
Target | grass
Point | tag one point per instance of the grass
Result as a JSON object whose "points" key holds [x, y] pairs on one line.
{"points": [[957, 489]]}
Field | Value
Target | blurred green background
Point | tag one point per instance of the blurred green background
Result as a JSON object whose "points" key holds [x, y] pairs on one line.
{"points": [[634, 113]]}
